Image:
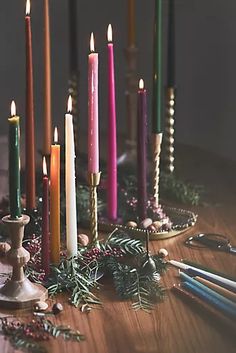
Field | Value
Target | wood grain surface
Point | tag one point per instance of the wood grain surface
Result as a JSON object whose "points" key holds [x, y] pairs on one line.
{"points": [[174, 326]]}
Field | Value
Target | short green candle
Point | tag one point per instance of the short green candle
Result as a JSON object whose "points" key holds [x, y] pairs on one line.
{"points": [[14, 164], [157, 70]]}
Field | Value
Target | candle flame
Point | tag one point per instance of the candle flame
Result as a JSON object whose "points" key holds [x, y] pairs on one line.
{"points": [[92, 49], [13, 108], [69, 104], [141, 84], [55, 135], [27, 9], [109, 33], [45, 172]]}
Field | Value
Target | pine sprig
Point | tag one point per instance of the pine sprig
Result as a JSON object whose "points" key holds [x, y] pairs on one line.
{"points": [[64, 331], [126, 244], [74, 276], [131, 283], [28, 336]]}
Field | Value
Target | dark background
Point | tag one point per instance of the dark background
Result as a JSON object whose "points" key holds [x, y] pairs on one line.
{"points": [[205, 63]]}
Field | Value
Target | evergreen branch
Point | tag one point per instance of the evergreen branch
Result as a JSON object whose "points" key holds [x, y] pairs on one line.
{"points": [[64, 331]]}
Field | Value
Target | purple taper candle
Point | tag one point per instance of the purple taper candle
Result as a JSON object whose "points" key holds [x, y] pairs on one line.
{"points": [[141, 151], [112, 143]]}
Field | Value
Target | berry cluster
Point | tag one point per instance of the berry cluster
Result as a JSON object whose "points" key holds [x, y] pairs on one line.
{"points": [[97, 254], [33, 330]]}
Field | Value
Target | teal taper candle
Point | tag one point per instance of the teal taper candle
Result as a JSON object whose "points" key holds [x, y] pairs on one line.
{"points": [[14, 163], [157, 69]]}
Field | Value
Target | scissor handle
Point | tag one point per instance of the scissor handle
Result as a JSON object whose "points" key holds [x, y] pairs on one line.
{"points": [[205, 239]]}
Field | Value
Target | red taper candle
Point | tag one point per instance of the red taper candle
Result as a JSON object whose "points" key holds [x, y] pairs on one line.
{"points": [[142, 151], [29, 125], [45, 221]]}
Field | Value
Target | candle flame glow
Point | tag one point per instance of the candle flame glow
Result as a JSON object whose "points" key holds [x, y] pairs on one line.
{"points": [[45, 172], [109, 33], [13, 108], [27, 9], [69, 104], [92, 48], [55, 135], [141, 84]]}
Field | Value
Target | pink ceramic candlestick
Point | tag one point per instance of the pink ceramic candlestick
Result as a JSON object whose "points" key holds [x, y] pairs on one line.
{"points": [[112, 144], [93, 143]]}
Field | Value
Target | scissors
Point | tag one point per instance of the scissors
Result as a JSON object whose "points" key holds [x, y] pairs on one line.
{"points": [[210, 240]]}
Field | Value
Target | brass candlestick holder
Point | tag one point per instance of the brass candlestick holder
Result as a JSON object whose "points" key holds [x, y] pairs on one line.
{"points": [[129, 156], [94, 180], [169, 130], [157, 140], [19, 292]]}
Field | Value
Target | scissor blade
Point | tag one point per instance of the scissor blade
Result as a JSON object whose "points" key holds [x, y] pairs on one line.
{"points": [[232, 250]]}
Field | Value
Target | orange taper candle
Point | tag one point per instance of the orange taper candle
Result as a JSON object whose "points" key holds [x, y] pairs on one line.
{"points": [[55, 200]]}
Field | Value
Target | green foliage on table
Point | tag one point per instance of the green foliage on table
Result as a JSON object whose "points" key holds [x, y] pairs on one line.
{"points": [[176, 189], [28, 336]]}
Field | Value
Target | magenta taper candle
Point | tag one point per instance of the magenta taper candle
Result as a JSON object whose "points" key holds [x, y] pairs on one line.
{"points": [[112, 143], [93, 139], [142, 151]]}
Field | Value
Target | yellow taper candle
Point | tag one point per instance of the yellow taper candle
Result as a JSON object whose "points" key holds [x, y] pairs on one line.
{"points": [[55, 200]]}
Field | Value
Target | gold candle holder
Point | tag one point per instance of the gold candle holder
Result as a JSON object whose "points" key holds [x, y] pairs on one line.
{"points": [[19, 292], [157, 140], [94, 180], [169, 130]]}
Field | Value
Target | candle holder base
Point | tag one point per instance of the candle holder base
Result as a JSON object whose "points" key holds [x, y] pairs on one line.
{"points": [[19, 292]]}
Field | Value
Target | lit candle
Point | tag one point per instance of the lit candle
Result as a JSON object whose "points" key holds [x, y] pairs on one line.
{"points": [[55, 199], [112, 143], [93, 143], [141, 151], [45, 220], [71, 214], [29, 126], [131, 23], [157, 74], [47, 82], [14, 163]]}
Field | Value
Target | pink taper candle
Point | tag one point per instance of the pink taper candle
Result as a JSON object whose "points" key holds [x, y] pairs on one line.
{"points": [[93, 143], [112, 144]]}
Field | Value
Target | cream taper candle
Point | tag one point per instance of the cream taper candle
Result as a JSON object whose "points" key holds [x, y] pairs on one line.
{"points": [[71, 214]]}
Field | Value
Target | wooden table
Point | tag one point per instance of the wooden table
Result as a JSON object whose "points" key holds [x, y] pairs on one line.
{"points": [[173, 326]]}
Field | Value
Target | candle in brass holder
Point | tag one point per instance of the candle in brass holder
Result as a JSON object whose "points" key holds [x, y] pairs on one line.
{"points": [[94, 180], [157, 140], [19, 292], [169, 130]]}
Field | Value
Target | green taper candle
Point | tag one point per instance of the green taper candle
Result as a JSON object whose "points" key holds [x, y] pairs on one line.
{"points": [[157, 69], [14, 163]]}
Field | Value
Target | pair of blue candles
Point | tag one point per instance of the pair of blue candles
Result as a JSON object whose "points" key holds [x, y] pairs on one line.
{"points": [[221, 303]]}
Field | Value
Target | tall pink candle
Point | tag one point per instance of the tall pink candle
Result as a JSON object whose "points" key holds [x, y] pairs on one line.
{"points": [[93, 143], [112, 143]]}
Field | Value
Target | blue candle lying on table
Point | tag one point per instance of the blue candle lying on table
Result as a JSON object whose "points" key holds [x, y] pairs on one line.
{"points": [[205, 293]]}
